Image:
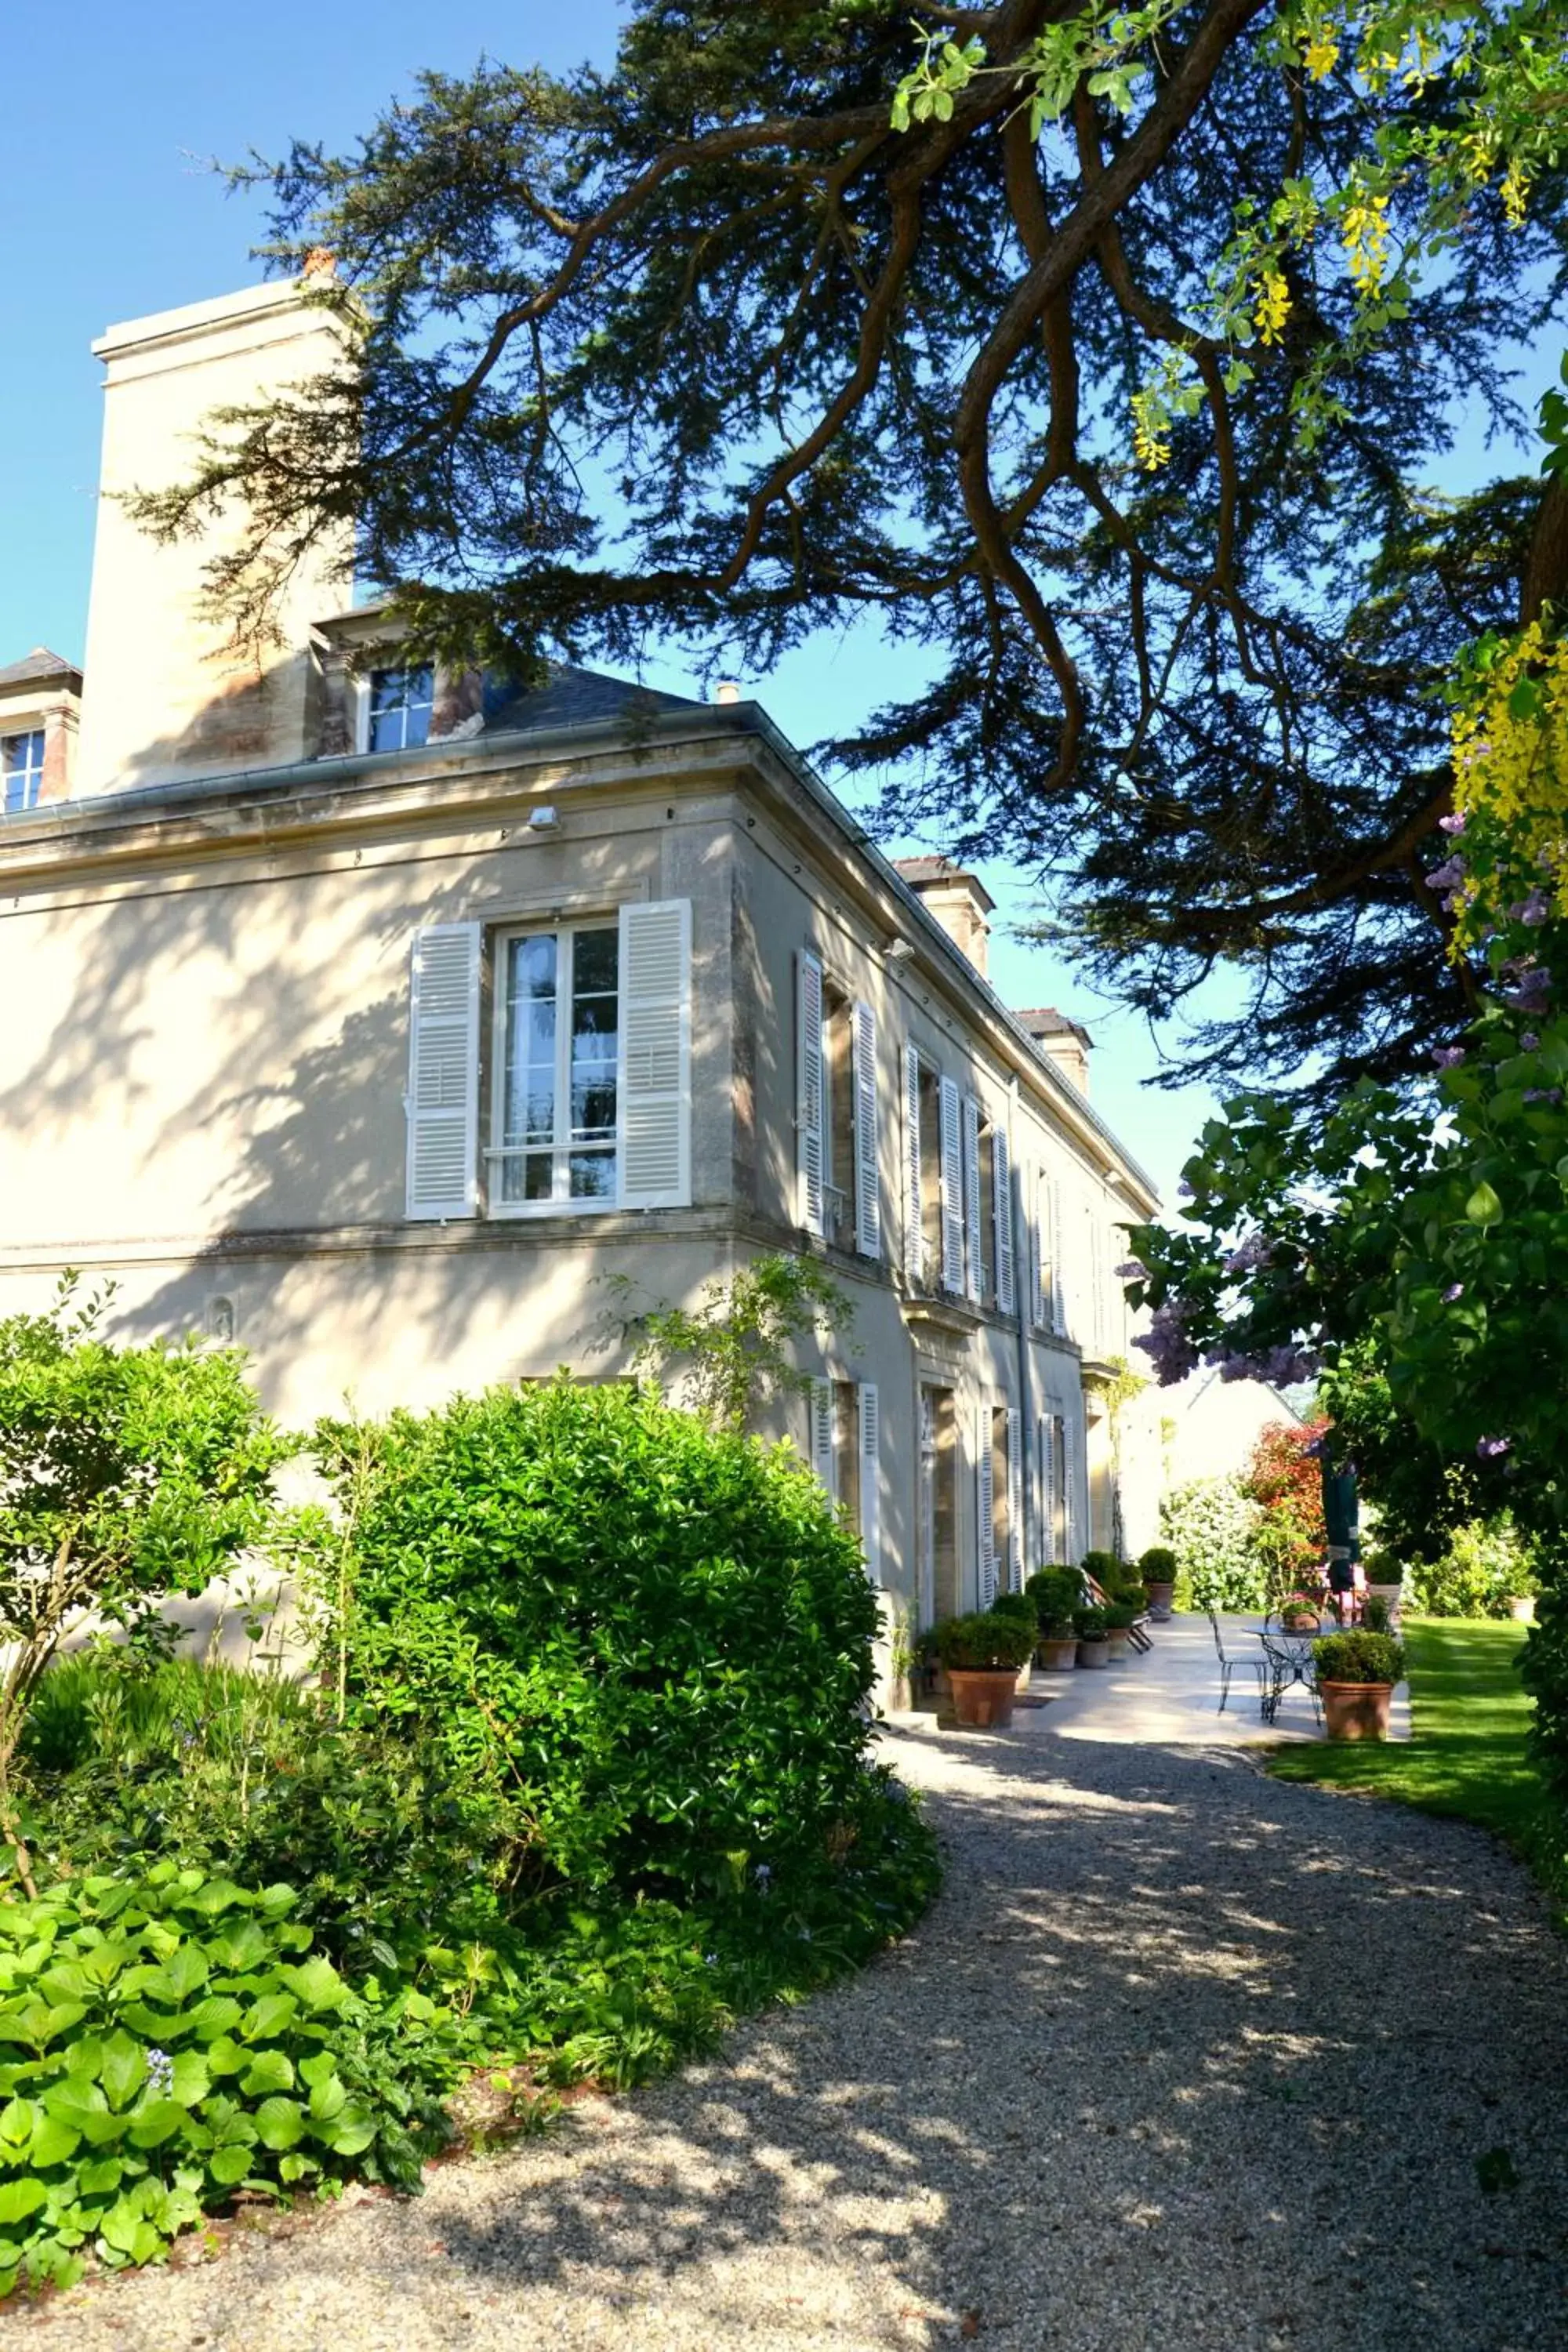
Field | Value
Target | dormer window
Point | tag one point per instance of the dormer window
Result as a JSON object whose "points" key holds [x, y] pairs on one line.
{"points": [[398, 708], [22, 769]]}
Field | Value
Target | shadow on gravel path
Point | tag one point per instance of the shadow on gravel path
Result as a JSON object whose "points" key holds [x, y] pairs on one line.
{"points": [[1183, 2058]]}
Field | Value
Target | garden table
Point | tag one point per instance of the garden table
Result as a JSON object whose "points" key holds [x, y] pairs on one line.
{"points": [[1289, 1658]]}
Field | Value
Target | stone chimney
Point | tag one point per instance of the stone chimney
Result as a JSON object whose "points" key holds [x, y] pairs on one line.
{"points": [[166, 694], [1060, 1041], [960, 901]]}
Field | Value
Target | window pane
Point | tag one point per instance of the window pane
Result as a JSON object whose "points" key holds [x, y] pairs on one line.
{"points": [[595, 1042], [401, 701], [528, 1103], [592, 1108], [592, 1175], [22, 765], [598, 955]]}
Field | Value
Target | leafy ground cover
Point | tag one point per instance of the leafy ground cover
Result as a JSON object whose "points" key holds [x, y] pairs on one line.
{"points": [[584, 1774], [1468, 1754]]}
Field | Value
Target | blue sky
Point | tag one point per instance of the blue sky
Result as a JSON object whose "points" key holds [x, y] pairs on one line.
{"points": [[107, 211]]}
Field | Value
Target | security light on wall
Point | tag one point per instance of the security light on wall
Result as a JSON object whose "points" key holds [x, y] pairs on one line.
{"points": [[900, 951], [543, 820]]}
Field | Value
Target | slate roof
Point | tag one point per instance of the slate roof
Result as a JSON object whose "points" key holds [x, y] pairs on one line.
{"points": [[38, 665], [577, 698]]}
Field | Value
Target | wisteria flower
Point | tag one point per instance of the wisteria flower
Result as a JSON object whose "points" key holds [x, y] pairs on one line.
{"points": [[1256, 1251], [1535, 909], [1167, 1344]]}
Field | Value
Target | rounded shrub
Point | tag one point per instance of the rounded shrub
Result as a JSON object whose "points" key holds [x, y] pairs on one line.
{"points": [[649, 1641], [1056, 1594]]}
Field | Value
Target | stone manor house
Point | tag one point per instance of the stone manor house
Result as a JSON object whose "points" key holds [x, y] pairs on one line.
{"points": [[369, 1016]]}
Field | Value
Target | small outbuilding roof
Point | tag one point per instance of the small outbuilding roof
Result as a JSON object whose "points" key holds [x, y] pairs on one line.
{"points": [[38, 665]]}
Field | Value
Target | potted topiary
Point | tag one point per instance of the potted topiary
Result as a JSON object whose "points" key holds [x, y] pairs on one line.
{"points": [[1056, 1594], [1356, 1675], [1157, 1567], [982, 1655], [1119, 1619], [1020, 1605], [1093, 1630], [1385, 1584]]}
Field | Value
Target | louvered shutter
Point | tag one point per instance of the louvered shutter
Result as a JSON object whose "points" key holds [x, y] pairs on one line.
{"points": [[823, 1460], [869, 1436], [1033, 1237], [1060, 1312], [914, 1231], [986, 1507], [971, 1196], [1058, 1488], [441, 1177], [1044, 1548], [868, 1180], [1002, 1205], [951, 1190], [1015, 1500], [655, 1070], [1070, 1501], [809, 1098]]}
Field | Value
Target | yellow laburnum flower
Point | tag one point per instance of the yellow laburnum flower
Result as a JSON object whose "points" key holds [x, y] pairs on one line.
{"points": [[1151, 433], [1366, 233], [1321, 52], [1513, 767], [1515, 189], [1272, 307]]}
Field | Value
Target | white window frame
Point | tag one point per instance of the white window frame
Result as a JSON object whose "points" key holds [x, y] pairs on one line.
{"points": [[362, 687], [33, 776], [559, 1203]]}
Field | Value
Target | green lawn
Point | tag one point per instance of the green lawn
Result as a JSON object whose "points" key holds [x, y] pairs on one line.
{"points": [[1466, 1753]]}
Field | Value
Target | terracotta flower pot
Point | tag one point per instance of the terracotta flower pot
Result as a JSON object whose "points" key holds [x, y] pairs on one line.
{"points": [[1117, 1641], [1522, 1608], [982, 1696], [1356, 1710], [1160, 1597], [1094, 1653], [1302, 1620], [1059, 1657]]}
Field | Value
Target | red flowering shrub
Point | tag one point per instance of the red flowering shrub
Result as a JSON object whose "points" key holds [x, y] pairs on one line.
{"points": [[1284, 1480]]}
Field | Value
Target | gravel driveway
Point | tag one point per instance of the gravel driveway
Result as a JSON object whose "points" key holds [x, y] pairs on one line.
{"points": [[1183, 2058]]}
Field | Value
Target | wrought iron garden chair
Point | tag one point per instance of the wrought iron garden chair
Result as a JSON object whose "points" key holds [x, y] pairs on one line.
{"points": [[1267, 1690]]}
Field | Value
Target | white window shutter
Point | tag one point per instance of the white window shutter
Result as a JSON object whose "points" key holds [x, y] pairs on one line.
{"points": [[914, 1224], [809, 1093], [655, 1069], [1032, 1236], [867, 1179], [986, 1507], [869, 1437], [1059, 1279], [951, 1190], [823, 1460], [1040, 1550], [442, 1103], [1070, 1501], [1015, 1500], [1002, 1189], [972, 1195]]}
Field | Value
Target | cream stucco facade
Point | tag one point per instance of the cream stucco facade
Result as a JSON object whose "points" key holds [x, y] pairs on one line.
{"points": [[228, 1095]]}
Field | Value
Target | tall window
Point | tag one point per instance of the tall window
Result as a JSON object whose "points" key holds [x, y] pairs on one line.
{"points": [[401, 702], [22, 769], [557, 1041]]}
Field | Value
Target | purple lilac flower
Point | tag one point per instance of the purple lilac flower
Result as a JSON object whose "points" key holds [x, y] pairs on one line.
{"points": [[1491, 1447], [1166, 1343], [1184, 1191], [1535, 909], [1133, 1270], [1451, 824], [1534, 991], [1544, 1094], [1455, 1290], [1528, 1042], [1282, 1367], [1448, 1057], [1446, 877], [1256, 1251]]}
